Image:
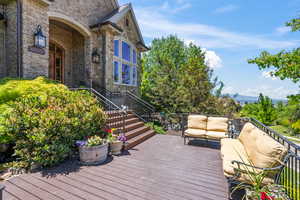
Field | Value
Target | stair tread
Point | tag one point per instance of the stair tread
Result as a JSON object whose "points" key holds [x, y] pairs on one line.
{"points": [[139, 137], [137, 129]]}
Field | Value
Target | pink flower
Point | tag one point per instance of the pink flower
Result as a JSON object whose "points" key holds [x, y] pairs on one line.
{"points": [[265, 196]]}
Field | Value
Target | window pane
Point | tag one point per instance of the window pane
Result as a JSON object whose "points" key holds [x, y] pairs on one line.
{"points": [[134, 56], [116, 72], [134, 76], [126, 51], [125, 74], [116, 47]]}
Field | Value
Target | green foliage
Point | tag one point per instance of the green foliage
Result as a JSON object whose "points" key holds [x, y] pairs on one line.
{"points": [[286, 64], [176, 78], [45, 125], [95, 141], [156, 127], [263, 110]]}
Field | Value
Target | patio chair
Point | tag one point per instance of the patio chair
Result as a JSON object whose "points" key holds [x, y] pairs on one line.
{"points": [[207, 128], [253, 151]]}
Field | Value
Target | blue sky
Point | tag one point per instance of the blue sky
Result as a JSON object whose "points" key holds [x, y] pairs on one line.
{"points": [[231, 31]]}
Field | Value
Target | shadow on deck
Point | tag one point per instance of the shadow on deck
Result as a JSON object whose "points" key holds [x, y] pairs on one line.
{"points": [[160, 168]]}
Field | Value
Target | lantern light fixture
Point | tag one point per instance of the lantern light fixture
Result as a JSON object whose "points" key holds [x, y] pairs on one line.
{"points": [[95, 56], [39, 38]]}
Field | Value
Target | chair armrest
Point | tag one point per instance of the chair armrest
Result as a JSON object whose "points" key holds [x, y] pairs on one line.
{"points": [[253, 167]]}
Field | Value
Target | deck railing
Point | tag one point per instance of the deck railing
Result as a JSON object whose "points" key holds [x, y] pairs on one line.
{"points": [[289, 177]]}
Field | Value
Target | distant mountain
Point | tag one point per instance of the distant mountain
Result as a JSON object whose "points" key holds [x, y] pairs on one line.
{"points": [[249, 99]]}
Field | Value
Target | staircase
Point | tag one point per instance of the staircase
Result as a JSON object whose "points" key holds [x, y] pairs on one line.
{"points": [[131, 121], [134, 128]]}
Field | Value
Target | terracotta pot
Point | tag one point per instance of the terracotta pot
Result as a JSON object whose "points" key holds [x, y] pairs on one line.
{"points": [[93, 155], [4, 148], [116, 147]]}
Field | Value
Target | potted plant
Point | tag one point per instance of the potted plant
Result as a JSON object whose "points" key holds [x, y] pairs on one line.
{"points": [[93, 151], [116, 143], [256, 189]]}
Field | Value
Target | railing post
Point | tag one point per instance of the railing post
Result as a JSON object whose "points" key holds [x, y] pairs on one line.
{"points": [[2, 187]]}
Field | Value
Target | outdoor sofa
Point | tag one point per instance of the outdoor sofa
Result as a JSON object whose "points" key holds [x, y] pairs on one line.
{"points": [[252, 151], [207, 128]]}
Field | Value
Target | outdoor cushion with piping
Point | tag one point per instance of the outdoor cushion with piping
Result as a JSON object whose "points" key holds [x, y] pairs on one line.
{"points": [[197, 122], [216, 135], [219, 124], [263, 151], [195, 133]]}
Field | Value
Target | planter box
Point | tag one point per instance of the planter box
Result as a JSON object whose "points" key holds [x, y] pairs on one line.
{"points": [[93, 155], [116, 147]]}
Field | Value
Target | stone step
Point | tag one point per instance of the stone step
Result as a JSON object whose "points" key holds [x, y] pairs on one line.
{"points": [[119, 124], [119, 118], [139, 139], [136, 132]]}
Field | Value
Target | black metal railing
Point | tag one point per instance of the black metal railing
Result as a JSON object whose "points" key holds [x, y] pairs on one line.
{"points": [[126, 100], [289, 176], [116, 115]]}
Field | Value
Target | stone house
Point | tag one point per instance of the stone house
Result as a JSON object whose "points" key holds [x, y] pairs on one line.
{"points": [[88, 42]]}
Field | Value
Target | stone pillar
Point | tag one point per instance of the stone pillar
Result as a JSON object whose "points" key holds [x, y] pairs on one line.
{"points": [[34, 14]]}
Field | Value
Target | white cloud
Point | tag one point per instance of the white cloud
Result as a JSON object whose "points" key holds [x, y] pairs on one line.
{"points": [[212, 60], [282, 30], [176, 7], [226, 9], [155, 23], [268, 75]]}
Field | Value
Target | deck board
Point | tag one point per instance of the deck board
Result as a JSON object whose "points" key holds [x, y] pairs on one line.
{"points": [[161, 168]]}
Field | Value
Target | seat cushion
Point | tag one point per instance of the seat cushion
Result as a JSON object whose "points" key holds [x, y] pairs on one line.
{"points": [[195, 133], [219, 124], [232, 149], [263, 151], [214, 135], [197, 122]]}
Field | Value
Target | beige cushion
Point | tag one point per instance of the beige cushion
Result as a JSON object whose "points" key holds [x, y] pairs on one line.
{"points": [[219, 124], [197, 122], [195, 133], [216, 135], [233, 149], [263, 151]]}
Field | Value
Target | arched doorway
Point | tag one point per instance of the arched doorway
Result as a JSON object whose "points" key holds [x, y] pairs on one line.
{"points": [[56, 62]]}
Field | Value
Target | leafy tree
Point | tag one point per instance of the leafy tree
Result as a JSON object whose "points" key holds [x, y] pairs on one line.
{"points": [[263, 110], [176, 78], [286, 64]]}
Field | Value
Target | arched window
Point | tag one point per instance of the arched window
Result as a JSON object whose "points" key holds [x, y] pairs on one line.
{"points": [[125, 63]]}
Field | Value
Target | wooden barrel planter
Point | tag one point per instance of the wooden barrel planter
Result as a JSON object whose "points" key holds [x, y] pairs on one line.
{"points": [[93, 155]]}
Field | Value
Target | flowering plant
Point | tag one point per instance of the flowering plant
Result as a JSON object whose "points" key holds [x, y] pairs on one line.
{"points": [[122, 138], [92, 141]]}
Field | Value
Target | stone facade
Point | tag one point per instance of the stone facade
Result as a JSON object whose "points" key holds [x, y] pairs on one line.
{"points": [[68, 24]]}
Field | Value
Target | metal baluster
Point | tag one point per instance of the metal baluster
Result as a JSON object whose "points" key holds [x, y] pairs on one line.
{"points": [[2, 187]]}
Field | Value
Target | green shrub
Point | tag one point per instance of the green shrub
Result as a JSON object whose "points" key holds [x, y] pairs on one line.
{"points": [[46, 124], [156, 127]]}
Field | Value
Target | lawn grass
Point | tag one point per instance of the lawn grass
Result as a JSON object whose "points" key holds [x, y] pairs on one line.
{"points": [[285, 132]]}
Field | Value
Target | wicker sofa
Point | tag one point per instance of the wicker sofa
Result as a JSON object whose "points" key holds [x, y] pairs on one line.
{"points": [[254, 151], [208, 128]]}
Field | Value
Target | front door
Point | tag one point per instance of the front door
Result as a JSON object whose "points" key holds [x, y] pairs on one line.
{"points": [[56, 63]]}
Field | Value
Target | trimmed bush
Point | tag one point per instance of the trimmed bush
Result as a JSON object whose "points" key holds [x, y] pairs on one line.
{"points": [[46, 124]]}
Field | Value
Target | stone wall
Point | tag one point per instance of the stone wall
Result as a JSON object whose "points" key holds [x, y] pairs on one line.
{"points": [[85, 12], [11, 40], [2, 50], [34, 14]]}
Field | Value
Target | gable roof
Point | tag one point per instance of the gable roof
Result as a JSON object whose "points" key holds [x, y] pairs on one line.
{"points": [[115, 16]]}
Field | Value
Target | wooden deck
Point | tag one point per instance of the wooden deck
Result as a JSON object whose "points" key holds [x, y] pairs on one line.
{"points": [[161, 168]]}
